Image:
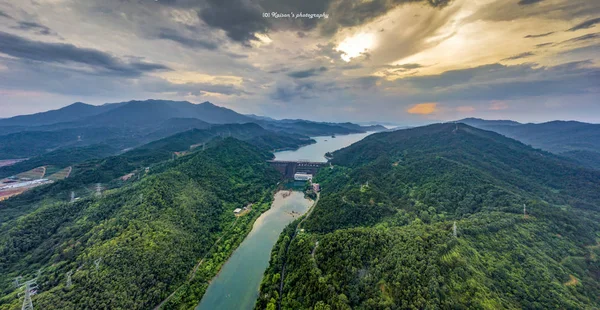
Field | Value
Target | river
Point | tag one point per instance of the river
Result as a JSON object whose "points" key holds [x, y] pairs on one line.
{"points": [[316, 152], [236, 286]]}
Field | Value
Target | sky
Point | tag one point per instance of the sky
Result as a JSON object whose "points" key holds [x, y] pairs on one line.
{"points": [[400, 61]]}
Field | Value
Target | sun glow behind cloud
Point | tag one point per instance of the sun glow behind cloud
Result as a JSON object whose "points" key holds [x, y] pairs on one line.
{"points": [[356, 45]]}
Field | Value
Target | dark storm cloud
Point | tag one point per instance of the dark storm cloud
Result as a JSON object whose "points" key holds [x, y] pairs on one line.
{"points": [[586, 24], [26, 49], [238, 18], [242, 19], [172, 35], [307, 73], [530, 36], [528, 2], [520, 56], [35, 27]]}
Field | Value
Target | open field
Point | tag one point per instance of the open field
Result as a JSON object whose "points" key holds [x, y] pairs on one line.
{"points": [[61, 174], [36, 173]]}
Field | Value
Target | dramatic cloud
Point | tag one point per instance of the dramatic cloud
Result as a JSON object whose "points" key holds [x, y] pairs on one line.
{"points": [[539, 35], [31, 26], [423, 108], [520, 56], [2, 14], [172, 35], [586, 24], [307, 73], [360, 60], [240, 19], [585, 37], [528, 2], [67, 53]]}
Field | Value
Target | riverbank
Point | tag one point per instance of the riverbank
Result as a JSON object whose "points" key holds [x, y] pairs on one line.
{"points": [[189, 293], [237, 284]]}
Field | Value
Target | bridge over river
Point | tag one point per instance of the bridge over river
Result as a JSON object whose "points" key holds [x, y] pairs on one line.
{"points": [[289, 168]]}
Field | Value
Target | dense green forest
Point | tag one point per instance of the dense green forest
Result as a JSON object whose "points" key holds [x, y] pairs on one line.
{"points": [[145, 236], [382, 237], [107, 170]]}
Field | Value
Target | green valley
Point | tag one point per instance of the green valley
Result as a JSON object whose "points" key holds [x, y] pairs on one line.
{"points": [[381, 236]]}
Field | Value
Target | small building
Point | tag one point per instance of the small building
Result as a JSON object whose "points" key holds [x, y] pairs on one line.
{"points": [[302, 176], [237, 211], [316, 187]]}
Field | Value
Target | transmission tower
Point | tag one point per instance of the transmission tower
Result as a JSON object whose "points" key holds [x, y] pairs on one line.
{"points": [[525, 211], [98, 189], [30, 289], [72, 196], [97, 263], [69, 283], [454, 229]]}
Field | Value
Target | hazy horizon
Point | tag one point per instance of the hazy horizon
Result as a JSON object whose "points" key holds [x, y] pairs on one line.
{"points": [[523, 120]]}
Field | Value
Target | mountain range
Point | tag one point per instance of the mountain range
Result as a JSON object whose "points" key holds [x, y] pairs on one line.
{"points": [[575, 140], [129, 124]]}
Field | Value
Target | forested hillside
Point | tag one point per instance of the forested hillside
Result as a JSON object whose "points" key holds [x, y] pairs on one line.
{"points": [[108, 170], [577, 141], [135, 244], [382, 237]]}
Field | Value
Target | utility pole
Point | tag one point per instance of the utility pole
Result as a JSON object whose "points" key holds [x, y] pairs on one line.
{"points": [[454, 229], [69, 283]]}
